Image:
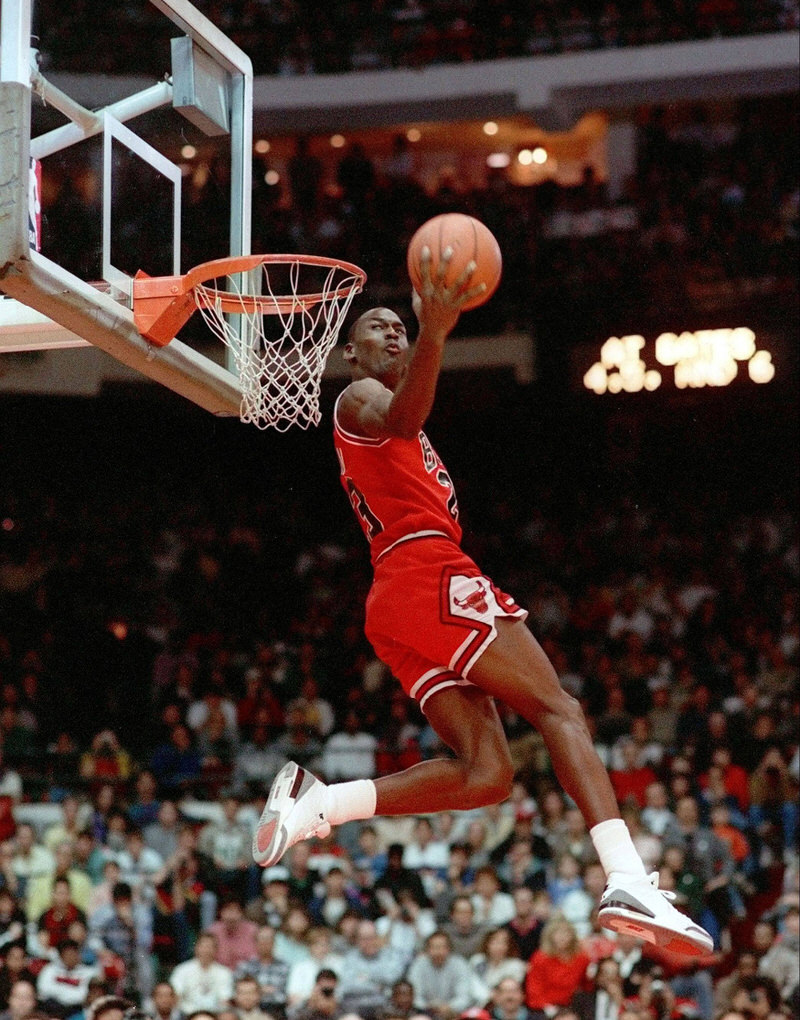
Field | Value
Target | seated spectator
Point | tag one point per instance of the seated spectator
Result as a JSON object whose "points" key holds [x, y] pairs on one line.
{"points": [[105, 761], [580, 904], [67, 829], [176, 762], [349, 752], [369, 970], [324, 1001], [508, 1001], [492, 906], [226, 844], [425, 852], [12, 920], [272, 905], [236, 936], [726, 987], [498, 959], [139, 863], [258, 757], [63, 984], [781, 962], [21, 1001], [15, 967], [165, 1002], [757, 996], [405, 925], [88, 857], [774, 812], [398, 877], [162, 833], [632, 779], [96, 989], [247, 999], [201, 983], [444, 984], [270, 973], [558, 967], [605, 994], [336, 896], [465, 932], [656, 814], [124, 928], [54, 923], [531, 911], [567, 879], [31, 859], [290, 940], [303, 973]]}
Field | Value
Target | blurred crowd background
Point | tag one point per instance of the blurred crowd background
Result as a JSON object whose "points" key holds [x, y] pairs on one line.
{"points": [[181, 600]]}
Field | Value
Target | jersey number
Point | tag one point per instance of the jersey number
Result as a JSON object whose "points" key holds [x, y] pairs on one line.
{"points": [[369, 522]]}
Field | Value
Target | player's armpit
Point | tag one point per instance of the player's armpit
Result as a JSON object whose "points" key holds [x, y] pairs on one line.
{"points": [[363, 408]]}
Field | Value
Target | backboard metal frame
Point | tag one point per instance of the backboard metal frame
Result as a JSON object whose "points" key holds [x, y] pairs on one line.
{"points": [[50, 290]]}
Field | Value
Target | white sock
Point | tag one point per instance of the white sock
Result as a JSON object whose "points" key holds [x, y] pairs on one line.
{"points": [[615, 848], [346, 802]]}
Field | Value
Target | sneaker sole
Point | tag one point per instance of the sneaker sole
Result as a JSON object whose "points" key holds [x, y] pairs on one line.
{"points": [[629, 923], [269, 841]]}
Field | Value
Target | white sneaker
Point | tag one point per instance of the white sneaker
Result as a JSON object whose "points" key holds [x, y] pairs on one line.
{"points": [[295, 811], [636, 906]]}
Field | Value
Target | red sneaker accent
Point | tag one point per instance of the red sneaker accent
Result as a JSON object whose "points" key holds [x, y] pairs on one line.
{"points": [[265, 834]]}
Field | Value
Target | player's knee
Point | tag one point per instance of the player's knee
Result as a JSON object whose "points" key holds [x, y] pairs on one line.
{"points": [[489, 782], [570, 710]]}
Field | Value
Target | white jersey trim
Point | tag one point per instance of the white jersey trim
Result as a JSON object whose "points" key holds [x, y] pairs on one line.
{"points": [[412, 535]]}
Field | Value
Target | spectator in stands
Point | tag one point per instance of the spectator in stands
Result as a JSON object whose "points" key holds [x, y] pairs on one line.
{"points": [[632, 780], [337, 895], [302, 974], [15, 967], [176, 763], [656, 814], [727, 986], [165, 1002], [201, 983], [773, 807], [247, 999], [96, 989], [105, 761], [424, 852], [324, 1001], [397, 877], [349, 752], [139, 864], [272, 905], [444, 984], [270, 973], [54, 923], [531, 911], [756, 997], [604, 996], [558, 967], [31, 860], [67, 829], [465, 932], [236, 936], [88, 856], [369, 970], [781, 962], [566, 879], [162, 833], [498, 959], [493, 907], [226, 844], [580, 904], [21, 1001], [63, 983], [125, 928], [12, 920]]}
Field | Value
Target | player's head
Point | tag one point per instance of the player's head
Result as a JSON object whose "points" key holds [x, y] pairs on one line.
{"points": [[377, 347]]}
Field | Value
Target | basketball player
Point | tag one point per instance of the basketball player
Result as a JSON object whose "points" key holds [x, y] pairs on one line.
{"points": [[452, 638]]}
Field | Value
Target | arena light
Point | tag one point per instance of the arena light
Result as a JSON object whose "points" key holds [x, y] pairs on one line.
{"points": [[413, 134], [699, 358], [262, 146], [498, 160], [539, 155], [272, 177], [490, 128], [188, 152], [337, 141], [525, 157]]}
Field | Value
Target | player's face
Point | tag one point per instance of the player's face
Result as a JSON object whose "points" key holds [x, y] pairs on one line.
{"points": [[378, 348]]}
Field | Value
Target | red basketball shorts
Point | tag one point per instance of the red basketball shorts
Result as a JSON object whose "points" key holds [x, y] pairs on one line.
{"points": [[431, 614]]}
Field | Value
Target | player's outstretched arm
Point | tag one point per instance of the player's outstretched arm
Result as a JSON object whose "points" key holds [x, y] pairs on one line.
{"points": [[370, 408]]}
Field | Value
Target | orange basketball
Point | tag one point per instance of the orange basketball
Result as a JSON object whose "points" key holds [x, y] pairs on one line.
{"points": [[470, 241]]}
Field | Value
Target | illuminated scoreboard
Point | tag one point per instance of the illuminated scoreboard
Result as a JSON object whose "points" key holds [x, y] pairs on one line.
{"points": [[706, 357]]}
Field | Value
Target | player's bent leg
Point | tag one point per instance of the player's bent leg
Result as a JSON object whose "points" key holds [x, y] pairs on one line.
{"points": [[300, 806], [515, 669], [466, 719]]}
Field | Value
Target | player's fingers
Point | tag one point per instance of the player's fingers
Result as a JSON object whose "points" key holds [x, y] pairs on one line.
{"points": [[464, 276], [473, 292], [425, 266], [444, 264]]}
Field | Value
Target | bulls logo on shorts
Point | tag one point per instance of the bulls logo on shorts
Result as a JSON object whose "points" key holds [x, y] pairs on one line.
{"points": [[472, 597]]}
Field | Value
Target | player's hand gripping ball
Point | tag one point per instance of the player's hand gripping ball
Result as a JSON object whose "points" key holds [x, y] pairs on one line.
{"points": [[470, 240]]}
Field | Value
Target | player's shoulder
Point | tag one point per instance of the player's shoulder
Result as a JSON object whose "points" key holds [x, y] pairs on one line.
{"points": [[354, 398]]}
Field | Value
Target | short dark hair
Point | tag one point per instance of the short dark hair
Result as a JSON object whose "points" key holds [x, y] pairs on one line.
{"points": [[121, 891], [326, 974], [67, 944]]}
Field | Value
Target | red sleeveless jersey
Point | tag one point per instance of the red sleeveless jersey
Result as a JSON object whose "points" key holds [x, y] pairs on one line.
{"points": [[398, 488]]}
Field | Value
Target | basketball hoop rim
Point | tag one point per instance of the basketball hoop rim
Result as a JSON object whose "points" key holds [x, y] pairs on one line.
{"points": [[162, 304]]}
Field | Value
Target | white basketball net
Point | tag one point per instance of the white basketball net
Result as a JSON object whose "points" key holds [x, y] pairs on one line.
{"points": [[282, 346]]}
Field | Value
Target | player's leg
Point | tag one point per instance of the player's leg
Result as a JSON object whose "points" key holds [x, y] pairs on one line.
{"points": [[515, 669], [300, 805]]}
